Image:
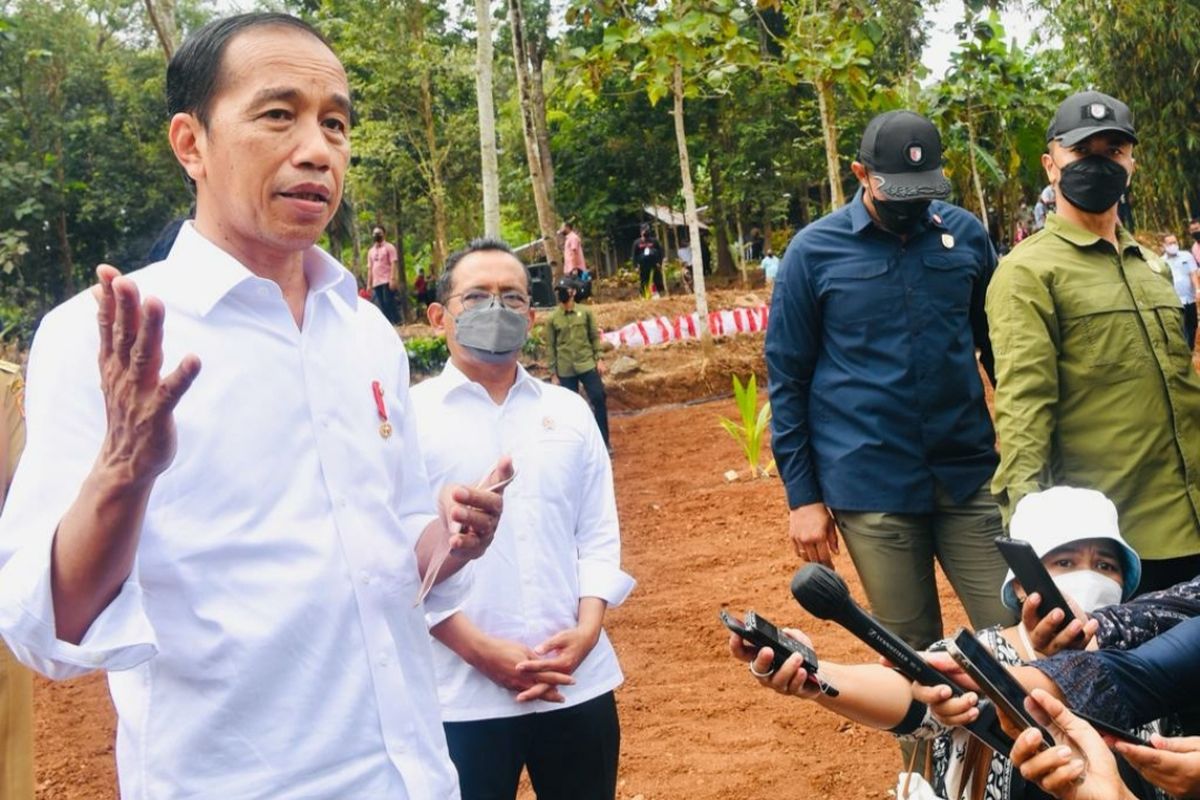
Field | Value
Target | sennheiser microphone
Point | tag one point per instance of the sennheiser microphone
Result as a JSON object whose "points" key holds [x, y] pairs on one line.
{"points": [[822, 593]]}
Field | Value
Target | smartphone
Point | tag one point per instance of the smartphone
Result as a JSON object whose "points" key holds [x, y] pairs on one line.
{"points": [[761, 633], [1109, 729], [995, 682], [1034, 577]]}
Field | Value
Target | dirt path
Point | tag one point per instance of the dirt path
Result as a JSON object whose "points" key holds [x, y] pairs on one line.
{"points": [[693, 723]]}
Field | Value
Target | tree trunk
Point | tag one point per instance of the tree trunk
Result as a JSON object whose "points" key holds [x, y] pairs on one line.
{"points": [[162, 19], [718, 225], [547, 221], [487, 119], [827, 105], [975, 180], [538, 97], [401, 263], [693, 221], [741, 252], [437, 190]]}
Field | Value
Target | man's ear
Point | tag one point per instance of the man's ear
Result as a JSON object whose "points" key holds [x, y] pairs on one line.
{"points": [[1047, 164], [188, 141], [436, 313]]}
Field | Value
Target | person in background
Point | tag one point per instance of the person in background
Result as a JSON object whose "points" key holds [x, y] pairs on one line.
{"points": [[573, 347], [16, 682], [1185, 274], [382, 260], [770, 265], [573, 261], [1043, 208], [525, 671], [1194, 235], [648, 256]]}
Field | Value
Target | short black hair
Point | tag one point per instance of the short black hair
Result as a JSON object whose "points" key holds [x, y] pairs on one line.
{"points": [[194, 74], [483, 245]]}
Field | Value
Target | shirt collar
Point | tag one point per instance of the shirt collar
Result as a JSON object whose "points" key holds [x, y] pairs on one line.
{"points": [[1081, 237], [205, 274], [455, 380]]}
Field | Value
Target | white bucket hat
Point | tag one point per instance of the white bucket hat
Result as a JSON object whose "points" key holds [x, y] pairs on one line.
{"points": [[1050, 519]]}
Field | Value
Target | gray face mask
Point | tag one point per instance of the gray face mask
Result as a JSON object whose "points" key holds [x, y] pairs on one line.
{"points": [[494, 333]]}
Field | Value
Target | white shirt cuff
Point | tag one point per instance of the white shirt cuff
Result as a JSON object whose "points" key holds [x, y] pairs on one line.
{"points": [[120, 637], [446, 598], [605, 581]]}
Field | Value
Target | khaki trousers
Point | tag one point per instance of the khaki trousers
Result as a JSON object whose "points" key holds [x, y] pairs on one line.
{"points": [[16, 729], [894, 555]]}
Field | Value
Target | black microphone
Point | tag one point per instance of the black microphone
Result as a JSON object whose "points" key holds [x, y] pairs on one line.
{"points": [[822, 593]]}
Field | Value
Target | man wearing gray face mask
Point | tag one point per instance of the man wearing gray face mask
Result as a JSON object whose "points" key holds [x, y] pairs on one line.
{"points": [[525, 671], [1095, 385]]}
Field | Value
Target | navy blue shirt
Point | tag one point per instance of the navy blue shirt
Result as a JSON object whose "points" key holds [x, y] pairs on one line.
{"points": [[875, 393]]}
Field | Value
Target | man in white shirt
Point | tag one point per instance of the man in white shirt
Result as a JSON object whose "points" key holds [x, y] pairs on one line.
{"points": [[525, 671], [1185, 275], [240, 546]]}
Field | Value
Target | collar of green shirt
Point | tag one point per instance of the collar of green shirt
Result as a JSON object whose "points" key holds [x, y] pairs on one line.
{"points": [[1081, 237]]}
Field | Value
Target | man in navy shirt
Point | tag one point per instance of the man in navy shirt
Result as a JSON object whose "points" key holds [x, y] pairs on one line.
{"points": [[879, 425]]}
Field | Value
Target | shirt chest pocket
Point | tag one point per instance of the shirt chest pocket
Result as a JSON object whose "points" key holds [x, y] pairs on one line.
{"points": [[1100, 328], [546, 463], [1160, 299], [949, 280], [859, 291]]}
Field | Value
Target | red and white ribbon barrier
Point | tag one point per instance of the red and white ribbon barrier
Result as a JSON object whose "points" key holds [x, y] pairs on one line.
{"points": [[658, 330]]}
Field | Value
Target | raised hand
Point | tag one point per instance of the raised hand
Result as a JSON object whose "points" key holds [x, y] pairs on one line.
{"points": [[139, 442]]}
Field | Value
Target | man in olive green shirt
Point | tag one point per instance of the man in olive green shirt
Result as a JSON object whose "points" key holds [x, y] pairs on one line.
{"points": [[16, 682], [1095, 386], [573, 346]]}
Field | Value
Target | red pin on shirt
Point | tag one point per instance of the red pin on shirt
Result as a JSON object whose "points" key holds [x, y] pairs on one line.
{"points": [[385, 427]]}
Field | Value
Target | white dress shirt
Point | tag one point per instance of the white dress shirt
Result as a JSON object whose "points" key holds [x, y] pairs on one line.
{"points": [[265, 644], [558, 538]]}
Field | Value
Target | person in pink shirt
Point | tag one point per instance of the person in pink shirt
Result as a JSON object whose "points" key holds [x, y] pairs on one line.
{"points": [[1194, 232], [573, 264], [381, 262]]}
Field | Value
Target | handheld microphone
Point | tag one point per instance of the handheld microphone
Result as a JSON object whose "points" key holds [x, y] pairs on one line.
{"points": [[822, 593]]}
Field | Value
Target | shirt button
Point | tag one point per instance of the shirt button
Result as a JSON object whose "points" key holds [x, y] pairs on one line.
{"points": [[383, 661], [365, 577], [341, 502], [263, 291]]}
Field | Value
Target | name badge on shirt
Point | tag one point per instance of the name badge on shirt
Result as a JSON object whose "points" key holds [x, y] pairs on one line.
{"points": [[947, 241]]}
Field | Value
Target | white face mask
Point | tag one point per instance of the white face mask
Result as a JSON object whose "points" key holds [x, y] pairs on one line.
{"points": [[1089, 589], [1172, 249]]}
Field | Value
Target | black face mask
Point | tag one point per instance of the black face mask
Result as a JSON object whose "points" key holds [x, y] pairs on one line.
{"points": [[379, 237], [1093, 184], [1196, 236], [900, 216]]}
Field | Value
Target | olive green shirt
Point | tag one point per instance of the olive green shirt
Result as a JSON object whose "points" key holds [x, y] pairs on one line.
{"points": [[572, 341], [1094, 384]]}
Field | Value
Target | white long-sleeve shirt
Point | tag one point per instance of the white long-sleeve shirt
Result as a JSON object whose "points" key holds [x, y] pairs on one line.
{"points": [[265, 644], [558, 539]]}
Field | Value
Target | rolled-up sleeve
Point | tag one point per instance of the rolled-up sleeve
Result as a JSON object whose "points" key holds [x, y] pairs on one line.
{"points": [[64, 429], [598, 535], [1024, 333]]}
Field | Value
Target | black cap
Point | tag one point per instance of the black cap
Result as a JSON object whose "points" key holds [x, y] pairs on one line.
{"points": [[1086, 114], [904, 153]]}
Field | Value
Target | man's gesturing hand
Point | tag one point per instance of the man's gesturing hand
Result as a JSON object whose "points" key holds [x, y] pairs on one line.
{"points": [[471, 515], [139, 443], [813, 533]]}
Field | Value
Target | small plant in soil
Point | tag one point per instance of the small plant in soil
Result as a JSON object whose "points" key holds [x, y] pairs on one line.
{"points": [[749, 432]]}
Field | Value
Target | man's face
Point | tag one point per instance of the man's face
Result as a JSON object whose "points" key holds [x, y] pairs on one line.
{"points": [[1194, 228], [492, 271], [1170, 242], [1107, 144], [269, 168]]}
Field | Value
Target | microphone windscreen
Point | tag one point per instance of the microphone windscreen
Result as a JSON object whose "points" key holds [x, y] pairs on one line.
{"points": [[820, 590]]}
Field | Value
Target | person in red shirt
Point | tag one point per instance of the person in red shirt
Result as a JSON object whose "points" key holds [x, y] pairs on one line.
{"points": [[381, 261]]}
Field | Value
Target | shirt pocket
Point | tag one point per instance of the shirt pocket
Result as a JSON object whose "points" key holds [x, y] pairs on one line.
{"points": [[950, 279], [1161, 301], [859, 291], [1100, 330]]}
